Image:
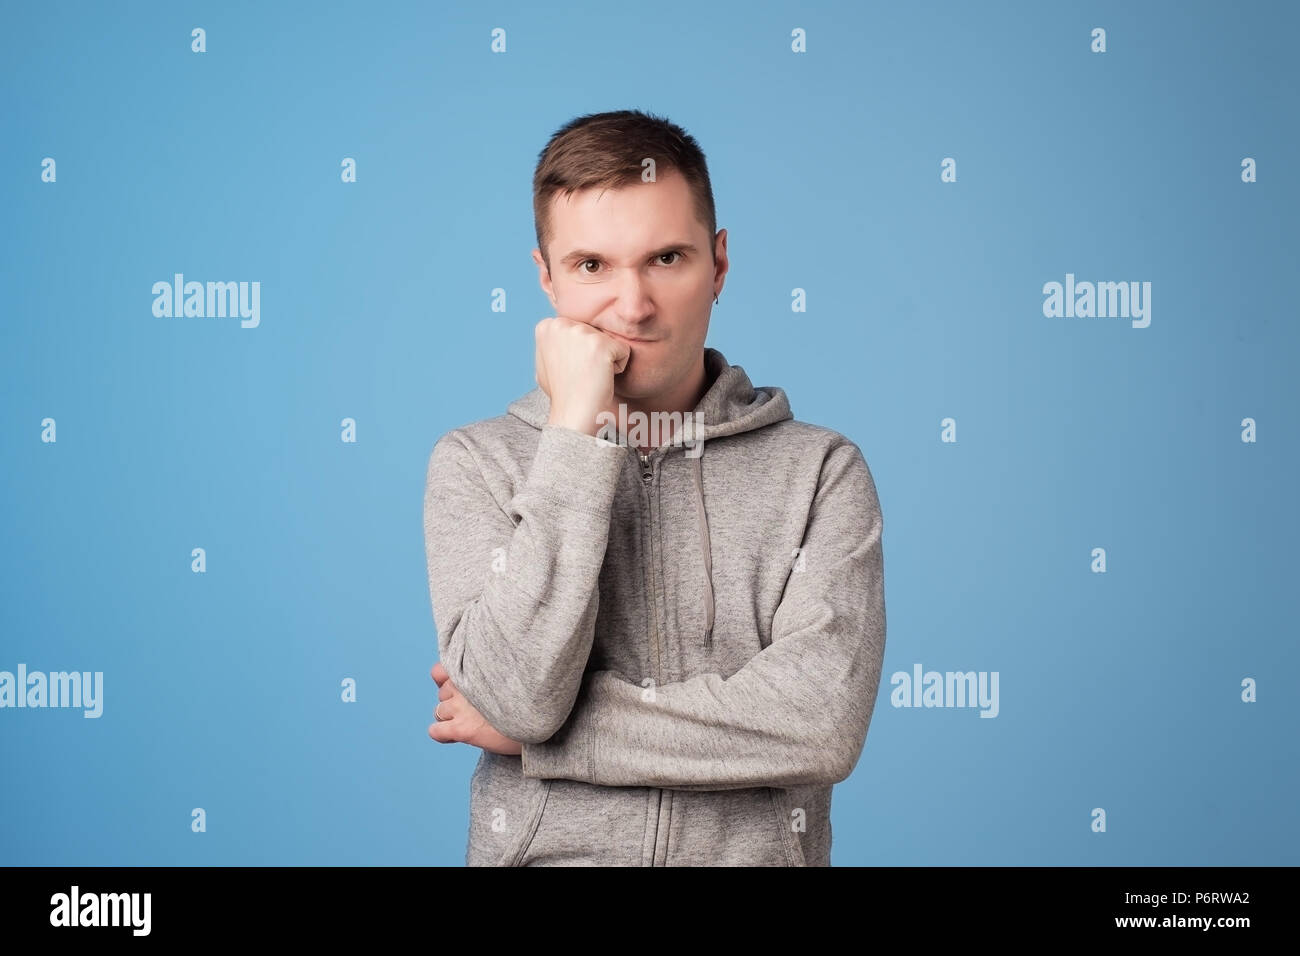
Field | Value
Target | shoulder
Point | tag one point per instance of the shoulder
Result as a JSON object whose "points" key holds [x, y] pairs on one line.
{"points": [[842, 472], [485, 439], [491, 453], [831, 445]]}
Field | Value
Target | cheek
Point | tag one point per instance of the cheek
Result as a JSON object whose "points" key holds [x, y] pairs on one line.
{"points": [[577, 302], [574, 290]]}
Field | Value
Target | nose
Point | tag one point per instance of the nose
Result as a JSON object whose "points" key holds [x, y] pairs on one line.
{"points": [[632, 303]]}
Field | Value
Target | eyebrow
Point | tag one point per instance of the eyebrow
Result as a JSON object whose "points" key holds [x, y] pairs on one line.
{"points": [[582, 255]]}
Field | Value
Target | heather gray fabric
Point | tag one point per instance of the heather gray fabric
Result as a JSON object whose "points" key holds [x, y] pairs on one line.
{"points": [[688, 648]]}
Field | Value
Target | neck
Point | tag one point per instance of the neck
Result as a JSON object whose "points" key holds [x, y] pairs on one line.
{"points": [[682, 398]]}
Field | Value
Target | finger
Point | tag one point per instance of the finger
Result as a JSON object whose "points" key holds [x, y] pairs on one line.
{"points": [[622, 352], [446, 691], [443, 733], [621, 363], [439, 673]]}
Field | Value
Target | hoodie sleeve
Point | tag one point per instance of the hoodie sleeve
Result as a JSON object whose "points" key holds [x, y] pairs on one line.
{"points": [[514, 587], [797, 713]]}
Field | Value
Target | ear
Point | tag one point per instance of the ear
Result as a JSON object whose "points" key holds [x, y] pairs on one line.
{"points": [[544, 277], [722, 263]]}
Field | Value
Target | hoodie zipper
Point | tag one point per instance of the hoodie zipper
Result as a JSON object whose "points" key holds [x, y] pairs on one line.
{"points": [[647, 478], [656, 807]]}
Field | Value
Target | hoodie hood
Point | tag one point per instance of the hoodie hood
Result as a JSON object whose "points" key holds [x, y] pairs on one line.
{"points": [[731, 406]]}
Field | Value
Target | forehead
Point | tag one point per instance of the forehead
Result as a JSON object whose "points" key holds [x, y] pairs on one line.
{"points": [[626, 218]]}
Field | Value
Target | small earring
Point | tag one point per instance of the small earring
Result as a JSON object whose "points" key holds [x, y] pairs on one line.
{"points": [[715, 300]]}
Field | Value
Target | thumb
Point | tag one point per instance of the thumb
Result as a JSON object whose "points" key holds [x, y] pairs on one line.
{"points": [[622, 352]]}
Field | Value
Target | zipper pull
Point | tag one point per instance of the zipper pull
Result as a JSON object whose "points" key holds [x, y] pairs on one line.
{"points": [[646, 473]]}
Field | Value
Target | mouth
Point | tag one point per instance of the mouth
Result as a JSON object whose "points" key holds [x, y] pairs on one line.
{"points": [[627, 338]]}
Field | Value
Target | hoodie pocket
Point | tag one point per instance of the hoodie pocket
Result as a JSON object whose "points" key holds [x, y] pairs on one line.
{"points": [[783, 806], [504, 808], [736, 827], [515, 855], [579, 824]]}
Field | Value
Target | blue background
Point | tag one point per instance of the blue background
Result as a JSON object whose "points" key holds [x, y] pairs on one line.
{"points": [[222, 690]]}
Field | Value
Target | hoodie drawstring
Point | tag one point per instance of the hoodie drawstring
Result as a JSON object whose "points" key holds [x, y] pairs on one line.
{"points": [[698, 471]]}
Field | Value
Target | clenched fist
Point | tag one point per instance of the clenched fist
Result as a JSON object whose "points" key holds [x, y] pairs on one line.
{"points": [[576, 365]]}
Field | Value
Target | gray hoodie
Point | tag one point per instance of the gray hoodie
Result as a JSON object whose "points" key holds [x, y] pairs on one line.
{"points": [[687, 645]]}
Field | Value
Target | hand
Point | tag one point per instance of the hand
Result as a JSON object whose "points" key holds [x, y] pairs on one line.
{"points": [[576, 364], [461, 722]]}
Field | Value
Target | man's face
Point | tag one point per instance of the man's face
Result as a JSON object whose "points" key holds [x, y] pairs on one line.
{"points": [[635, 262]]}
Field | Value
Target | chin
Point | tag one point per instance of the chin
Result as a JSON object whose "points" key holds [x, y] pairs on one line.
{"points": [[651, 373], [638, 382]]}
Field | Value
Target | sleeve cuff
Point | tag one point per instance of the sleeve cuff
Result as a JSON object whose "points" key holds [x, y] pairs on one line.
{"points": [[576, 470], [569, 755]]}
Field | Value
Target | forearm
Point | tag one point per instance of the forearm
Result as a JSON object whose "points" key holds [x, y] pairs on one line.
{"points": [[515, 595], [712, 734], [796, 713]]}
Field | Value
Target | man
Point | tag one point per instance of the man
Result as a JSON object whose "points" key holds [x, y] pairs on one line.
{"points": [[668, 646]]}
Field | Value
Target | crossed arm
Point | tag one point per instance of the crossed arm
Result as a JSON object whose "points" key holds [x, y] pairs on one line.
{"points": [[796, 713]]}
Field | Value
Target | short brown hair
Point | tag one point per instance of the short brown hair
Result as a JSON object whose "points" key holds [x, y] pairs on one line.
{"points": [[606, 150]]}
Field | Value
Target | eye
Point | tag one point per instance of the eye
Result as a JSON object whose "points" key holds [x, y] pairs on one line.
{"points": [[673, 253], [583, 263]]}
